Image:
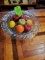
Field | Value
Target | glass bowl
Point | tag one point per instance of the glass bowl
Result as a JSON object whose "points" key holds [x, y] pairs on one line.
{"points": [[29, 35]]}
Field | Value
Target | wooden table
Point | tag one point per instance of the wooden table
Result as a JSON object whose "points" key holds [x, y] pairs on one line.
{"points": [[25, 49]]}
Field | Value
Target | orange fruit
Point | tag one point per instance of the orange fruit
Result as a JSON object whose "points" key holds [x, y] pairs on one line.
{"points": [[19, 28], [30, 22]]}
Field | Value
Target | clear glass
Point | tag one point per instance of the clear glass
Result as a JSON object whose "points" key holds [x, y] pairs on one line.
{"points": [[29, 35]]}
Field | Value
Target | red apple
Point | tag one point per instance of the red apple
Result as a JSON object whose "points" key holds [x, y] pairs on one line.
{"points": [[15, 17], [27, 27], [23, 17]]}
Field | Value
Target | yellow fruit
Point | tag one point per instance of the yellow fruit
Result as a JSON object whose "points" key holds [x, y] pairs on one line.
{"points": [[29, 22], [12, 24]]}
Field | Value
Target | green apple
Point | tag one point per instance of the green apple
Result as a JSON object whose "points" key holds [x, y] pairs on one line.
{"points": [[22, 21]]}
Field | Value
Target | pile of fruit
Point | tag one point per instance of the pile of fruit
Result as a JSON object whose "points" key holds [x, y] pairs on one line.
{"points": [[20, 24]]}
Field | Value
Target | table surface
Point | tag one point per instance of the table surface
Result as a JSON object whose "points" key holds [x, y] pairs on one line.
{"points": [[25, 49]]}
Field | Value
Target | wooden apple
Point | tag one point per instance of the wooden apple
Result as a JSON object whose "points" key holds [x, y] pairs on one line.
{"points": [[15, 17], [27, 28], [30, 22], [23, 17], [22, 21]]}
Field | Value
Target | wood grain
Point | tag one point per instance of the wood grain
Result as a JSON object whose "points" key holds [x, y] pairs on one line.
{"points": [[25, 49]]}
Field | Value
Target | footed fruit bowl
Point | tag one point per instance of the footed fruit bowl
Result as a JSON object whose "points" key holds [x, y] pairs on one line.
{"points": [[16, 32]]}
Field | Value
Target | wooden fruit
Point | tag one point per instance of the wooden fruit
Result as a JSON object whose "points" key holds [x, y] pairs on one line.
{"points": [[22, 21], [30, 22], [27, 28], [12, 24], [19, 29]]}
